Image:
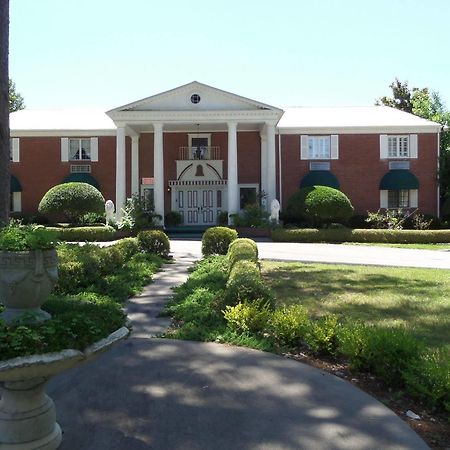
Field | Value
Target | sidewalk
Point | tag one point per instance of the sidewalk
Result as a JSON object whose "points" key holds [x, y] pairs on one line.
{"points": [[150, 393]]}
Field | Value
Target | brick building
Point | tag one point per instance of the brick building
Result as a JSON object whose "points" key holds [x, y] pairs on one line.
{"points": [[200, 151]]}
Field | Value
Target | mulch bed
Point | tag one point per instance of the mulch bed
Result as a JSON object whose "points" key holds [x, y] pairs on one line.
{"points": [[433, 428]]}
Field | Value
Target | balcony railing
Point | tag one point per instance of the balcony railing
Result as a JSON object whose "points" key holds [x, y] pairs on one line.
{"points": [[187, 153]]}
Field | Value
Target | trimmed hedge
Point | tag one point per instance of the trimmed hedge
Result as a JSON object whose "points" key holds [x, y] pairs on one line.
{"points": [[73, 200], [361, 235], [242, 249], [215, 240], [104, 233], [154, 241]]}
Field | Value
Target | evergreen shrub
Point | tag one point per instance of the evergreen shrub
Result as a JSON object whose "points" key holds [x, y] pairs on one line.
{"points": [[215, 240], [154, 241]]}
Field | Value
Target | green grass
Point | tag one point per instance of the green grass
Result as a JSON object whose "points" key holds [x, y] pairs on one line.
{"points": [[416, 298], [440, 247]]}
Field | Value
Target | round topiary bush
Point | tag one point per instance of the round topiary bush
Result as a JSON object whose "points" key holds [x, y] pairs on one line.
{"points": [[319, 204], [72, 200], [242, 249], [215, 240], [154, 241]]}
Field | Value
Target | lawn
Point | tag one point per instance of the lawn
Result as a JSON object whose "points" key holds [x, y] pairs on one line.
{"points": [[416, 298], [439, 247]]}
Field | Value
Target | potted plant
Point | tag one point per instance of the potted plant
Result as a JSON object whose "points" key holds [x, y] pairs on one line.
{"points": [[28, 270]]}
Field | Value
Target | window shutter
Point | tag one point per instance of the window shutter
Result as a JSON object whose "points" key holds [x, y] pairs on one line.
{"points": [[334, 146], [413, 198], [304, 146], [94, 149], [383, 199], [15, 150], [383, 146], [17, 201], [64, 149], [413, 146]]}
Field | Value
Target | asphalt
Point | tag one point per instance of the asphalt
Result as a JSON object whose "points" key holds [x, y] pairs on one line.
{"points": [[161, 394]]}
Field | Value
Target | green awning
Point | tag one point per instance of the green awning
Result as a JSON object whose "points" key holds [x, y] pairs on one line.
{"points": [[15, 184], [82, 178], [399, 179], [320, 178]]}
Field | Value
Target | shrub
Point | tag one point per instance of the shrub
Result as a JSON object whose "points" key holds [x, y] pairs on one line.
{"points": [[428, 378], [252, 215], [348, 235], [222, 218], [73, 200], [137, 215], [318, 204], [445, 210], [215, 240], [17, 237], [321, 335], [102, 233], [173, 219], [289, 325], [127, 247], [247, 317], [154, 241], [242, 249], [246, 285]]}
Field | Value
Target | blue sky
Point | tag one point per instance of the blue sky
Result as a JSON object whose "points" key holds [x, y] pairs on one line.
{"points": [[105, 53]]}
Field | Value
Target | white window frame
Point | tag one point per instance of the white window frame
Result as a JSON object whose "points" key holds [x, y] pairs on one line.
{"points": [[246, 186], [78, 155], [398, 146], [412, 199], [308, 144]]}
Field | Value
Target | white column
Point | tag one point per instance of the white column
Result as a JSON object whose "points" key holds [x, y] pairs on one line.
{"points": [[120, 172], [264, 187], [233, 205], [271, 164], [158, 171], [135, 165]]}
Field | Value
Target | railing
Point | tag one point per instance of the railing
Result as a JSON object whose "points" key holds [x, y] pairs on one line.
{"points": [[201, 152]]}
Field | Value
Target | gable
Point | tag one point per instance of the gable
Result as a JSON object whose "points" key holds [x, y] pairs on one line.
{"points": [[195, 96]]}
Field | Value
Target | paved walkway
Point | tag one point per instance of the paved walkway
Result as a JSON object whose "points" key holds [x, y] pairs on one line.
{"points": [[336, 253], [150, 393]]}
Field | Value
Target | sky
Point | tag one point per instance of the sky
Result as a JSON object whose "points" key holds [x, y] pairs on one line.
{"points": [[107, 53]]}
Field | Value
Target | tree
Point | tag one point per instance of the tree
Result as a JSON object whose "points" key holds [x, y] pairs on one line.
{"points": [[4, 113], [429, 105], [16, 101]]}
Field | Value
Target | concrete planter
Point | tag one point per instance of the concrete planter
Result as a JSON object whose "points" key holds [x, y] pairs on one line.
{"points": [[26, 280], [27, 414]]}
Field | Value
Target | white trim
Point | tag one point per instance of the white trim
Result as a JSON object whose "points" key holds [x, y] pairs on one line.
{"points": [[199, 135], [359, 130], [413, 146], [334, 146], [94, 149], [383, 146], [135, 165], [15, 150], [64, 149], [62, 133], [304, 146]]}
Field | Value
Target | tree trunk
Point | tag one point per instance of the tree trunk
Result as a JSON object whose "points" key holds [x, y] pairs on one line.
{"points": [[4, 113]]}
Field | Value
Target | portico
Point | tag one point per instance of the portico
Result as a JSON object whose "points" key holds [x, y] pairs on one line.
{"points": [[170, 131]]}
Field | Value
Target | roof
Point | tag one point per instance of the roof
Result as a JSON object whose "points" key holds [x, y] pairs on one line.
{"points": [[353, 120], [61, 120]]}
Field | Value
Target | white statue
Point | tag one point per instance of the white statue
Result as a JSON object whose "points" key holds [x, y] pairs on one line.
{"points": [[275, 211], [109, 211]]}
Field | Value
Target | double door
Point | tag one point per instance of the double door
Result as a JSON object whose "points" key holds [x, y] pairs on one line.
{"points": [[200, 206]]}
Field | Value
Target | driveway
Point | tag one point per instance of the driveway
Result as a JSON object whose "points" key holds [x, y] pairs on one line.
{"points": [[334, 253]]}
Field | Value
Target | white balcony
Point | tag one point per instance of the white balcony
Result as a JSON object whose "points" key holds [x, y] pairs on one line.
{"points": [[201, 152]]}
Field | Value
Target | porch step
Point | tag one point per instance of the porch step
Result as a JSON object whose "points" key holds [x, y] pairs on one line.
{"points": [[191, 232]]}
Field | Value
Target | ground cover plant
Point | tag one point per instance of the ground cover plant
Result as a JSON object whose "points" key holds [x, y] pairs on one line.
{"points": [[87, 303]]}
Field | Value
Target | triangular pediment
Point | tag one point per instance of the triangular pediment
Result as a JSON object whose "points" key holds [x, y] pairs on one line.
{"points": [[195, 96]]}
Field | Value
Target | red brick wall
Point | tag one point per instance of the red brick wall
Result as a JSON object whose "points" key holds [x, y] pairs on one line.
{"points": [[359, 169]]}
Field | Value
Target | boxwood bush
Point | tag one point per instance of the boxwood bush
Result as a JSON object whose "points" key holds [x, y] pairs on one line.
{"points": [[215, 240], [242, 249], [154, 241], [73, 200], [90, 234]]}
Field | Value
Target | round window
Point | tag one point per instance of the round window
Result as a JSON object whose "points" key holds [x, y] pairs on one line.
{"points": [[195, 98]]}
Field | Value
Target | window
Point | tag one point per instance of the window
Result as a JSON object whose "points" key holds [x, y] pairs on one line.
{"points": [[319, 147], [398, 146], [398, 198], [247, 196], [79, 149]]}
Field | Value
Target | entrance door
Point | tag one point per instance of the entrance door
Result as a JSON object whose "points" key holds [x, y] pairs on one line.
{"points": [[199, 206]]}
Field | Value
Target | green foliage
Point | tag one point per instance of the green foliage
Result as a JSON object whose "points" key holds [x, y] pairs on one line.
{"points": [[154, 241], [215, 240], [93, 218], [389, 219], [245, 284], [17, 237], [321, 335], [222, 219], [252, 215], [136, 216], [428, 379], [361, 235], [16, 101], [73, 200], [90, 234], [242, 249], [127, 247], [173, 219], [318, 204], [385, 352], [289, 325], [247, 317]]}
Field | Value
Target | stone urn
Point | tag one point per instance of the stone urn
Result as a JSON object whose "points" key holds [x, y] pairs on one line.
{"points": [[26, 280], [27, 414]]}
